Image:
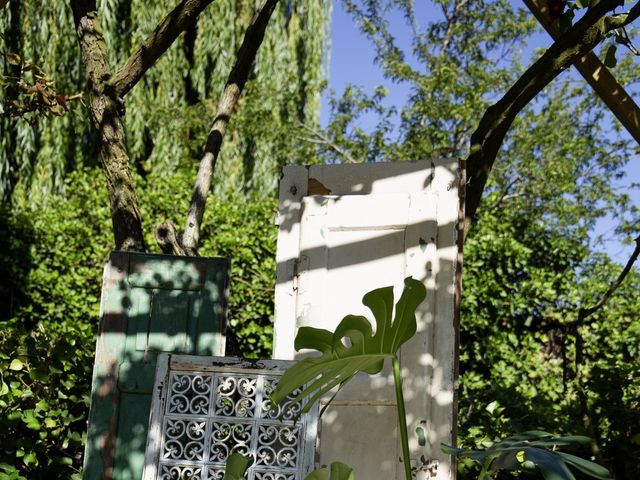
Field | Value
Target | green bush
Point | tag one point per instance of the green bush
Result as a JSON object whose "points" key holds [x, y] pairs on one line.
{"points": [[519, 366], [53, 256]]}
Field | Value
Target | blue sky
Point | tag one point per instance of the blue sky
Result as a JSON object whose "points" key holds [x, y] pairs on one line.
{"points": [[351, 61]]}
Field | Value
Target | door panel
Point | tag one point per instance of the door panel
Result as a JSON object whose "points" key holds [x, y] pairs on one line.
{"points": [[150, 304], [379, 224]]}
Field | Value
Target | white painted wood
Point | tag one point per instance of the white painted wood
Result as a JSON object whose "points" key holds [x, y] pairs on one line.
{"points": [[371, 226]]}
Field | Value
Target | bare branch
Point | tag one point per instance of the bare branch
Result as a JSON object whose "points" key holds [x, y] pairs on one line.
{"points": [[451, 21], [583, 313], [321, 139], [167, 31], [168, 240], [487, 139], [235, 83]]}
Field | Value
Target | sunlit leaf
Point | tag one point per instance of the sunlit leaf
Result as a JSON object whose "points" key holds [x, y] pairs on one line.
{"points": [[16, 364], [315, 376]]}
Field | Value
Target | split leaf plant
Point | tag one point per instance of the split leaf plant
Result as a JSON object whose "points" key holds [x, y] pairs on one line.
{"points": [[533, 450], [366, 353]]}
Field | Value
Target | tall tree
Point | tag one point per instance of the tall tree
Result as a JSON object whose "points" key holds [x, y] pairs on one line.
{"points": [[528, 360], [167, 114]]}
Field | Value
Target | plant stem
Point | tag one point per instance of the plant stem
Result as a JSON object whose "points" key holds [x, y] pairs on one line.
{"points": [[402, 417]]}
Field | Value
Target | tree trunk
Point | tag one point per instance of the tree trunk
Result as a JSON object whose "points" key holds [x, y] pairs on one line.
{"points": [[105, 114]]}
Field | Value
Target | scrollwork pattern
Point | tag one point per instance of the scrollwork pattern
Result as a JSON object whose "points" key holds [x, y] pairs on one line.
{"points": [[283, 412], [274, 476], [180, 472], [184, 439], [209, 416], [235, 396], [227, 437], [189, 394], [277, 446]]}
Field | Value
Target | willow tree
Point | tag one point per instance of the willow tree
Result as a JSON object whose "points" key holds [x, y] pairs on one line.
{"points": [[159, 73]]}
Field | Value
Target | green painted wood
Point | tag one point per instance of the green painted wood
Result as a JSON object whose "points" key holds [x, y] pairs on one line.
{"points": [[150, 304]]}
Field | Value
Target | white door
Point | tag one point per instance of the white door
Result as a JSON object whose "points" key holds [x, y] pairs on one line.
{"points": [[345, 230]]}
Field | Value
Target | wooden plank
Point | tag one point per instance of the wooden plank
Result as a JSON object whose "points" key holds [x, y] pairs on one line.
{"points": [[597, 75]]}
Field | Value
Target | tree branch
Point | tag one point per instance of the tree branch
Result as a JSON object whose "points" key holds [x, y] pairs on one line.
{"points": [[167, 31], [321, 139], [105, 113], [487, 139], [451, 21], [235, 83], [583, 313]]}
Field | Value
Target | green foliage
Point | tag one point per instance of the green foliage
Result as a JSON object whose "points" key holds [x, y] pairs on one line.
{"points": [[56, 252], [530, 264], [52, 258], [531, 451], [366, 352], [524, 284], [169, 111], [336, 471], [235, 467]]}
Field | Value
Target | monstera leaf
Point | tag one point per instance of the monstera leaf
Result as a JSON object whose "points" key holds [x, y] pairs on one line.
{"points": [[365, 351], [337, 471], [235, 467], [531, 450]]}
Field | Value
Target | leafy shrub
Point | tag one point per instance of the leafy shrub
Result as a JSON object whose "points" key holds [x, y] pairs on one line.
{"points": [[47, 337], [53, 256]]}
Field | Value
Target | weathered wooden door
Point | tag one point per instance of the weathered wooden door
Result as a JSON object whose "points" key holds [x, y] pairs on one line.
{"points": [[150, 304], [345, 230]]}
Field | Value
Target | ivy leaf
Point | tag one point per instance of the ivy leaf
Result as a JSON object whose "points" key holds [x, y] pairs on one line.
{"points": [[16, 365], [315, 376], [610, 59]]}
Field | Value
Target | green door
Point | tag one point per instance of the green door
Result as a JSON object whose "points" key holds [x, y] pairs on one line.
{"points": [[150, 304]]}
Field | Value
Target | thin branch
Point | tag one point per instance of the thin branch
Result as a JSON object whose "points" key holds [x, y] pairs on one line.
{"points": [[167, 31], [583, 313], [487, 139], [624, 39], [451, 21], [321, 139], [235, 83]]}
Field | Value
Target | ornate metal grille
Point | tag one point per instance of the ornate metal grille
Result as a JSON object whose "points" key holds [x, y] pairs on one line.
{"points": [[210, 407]]}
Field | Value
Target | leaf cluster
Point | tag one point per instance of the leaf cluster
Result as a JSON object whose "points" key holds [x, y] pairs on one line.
{"points": [[364, 351], [52, 257], [531, 451]]}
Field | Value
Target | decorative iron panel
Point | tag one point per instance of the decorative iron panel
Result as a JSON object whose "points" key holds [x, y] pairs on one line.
{"points": [[210, 407]]}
